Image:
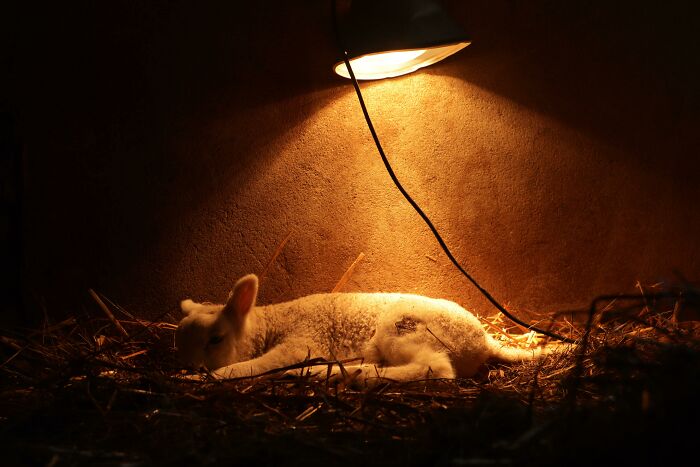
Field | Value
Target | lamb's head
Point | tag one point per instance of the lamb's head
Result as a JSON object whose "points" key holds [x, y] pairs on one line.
{"points": [[210, 335]]}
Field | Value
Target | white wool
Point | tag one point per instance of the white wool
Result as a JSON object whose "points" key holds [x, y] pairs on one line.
{"points": [[399, 336]]}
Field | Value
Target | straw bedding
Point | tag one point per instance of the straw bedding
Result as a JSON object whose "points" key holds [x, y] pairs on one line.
{"points": [[104, 388]]}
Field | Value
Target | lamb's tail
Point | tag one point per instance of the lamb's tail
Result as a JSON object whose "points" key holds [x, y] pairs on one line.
{"points": [[511, 354]]}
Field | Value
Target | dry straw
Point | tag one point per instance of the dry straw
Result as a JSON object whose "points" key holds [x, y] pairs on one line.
{"points": [[104, 388]]}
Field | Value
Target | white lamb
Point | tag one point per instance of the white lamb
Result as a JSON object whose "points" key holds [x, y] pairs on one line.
{"points": [[399, 336]]}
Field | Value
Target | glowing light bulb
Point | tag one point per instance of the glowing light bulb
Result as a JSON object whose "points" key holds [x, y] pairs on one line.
{"points": [[396, 62], [385, 62]]}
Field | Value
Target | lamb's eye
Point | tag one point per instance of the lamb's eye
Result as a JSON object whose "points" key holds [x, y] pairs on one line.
{"points": [[213, 340]]}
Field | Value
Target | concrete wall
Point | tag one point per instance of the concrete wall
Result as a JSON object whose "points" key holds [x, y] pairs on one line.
{"points": [[169, 148]]}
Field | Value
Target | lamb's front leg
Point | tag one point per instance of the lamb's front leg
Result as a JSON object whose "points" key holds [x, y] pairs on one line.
{"points": [[284, 354]]}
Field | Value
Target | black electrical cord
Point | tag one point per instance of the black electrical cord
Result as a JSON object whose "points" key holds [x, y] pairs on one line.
{"points": [[417, 208]]}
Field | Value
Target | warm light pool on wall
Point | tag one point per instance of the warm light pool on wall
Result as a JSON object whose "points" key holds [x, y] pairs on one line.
{"points": [[389, 38]]}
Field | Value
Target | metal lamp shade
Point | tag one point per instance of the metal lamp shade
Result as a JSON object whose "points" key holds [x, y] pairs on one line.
{"points": [[387, 38]]}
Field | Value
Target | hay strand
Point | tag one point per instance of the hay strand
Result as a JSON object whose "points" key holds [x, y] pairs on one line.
{"points": [[108, 313], [348, 273], [277, 252]]}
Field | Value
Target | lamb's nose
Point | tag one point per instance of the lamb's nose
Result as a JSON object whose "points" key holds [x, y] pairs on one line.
{"points": [[186, 359]]}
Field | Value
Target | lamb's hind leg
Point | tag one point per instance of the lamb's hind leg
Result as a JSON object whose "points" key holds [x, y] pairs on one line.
{"points": [[425, 364]]}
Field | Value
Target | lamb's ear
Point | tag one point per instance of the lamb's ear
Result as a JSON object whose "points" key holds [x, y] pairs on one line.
{"points": [[188, 306], [242, 298]]}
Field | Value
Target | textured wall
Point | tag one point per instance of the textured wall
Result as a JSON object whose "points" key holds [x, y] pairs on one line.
{"points": [[170, 147]]}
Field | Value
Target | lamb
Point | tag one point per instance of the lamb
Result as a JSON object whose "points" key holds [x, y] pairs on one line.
{"points": [[399, 336]]}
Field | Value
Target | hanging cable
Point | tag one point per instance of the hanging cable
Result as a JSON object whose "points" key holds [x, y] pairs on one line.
{"points": [[417, 208]]}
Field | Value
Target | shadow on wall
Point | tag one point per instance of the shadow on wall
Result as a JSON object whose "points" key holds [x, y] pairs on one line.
{"points": [[134, 115], [623, 71], [602, 96]]}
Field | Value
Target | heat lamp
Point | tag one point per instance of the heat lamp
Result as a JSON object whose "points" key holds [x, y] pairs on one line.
{"points": [[387, 38]]}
